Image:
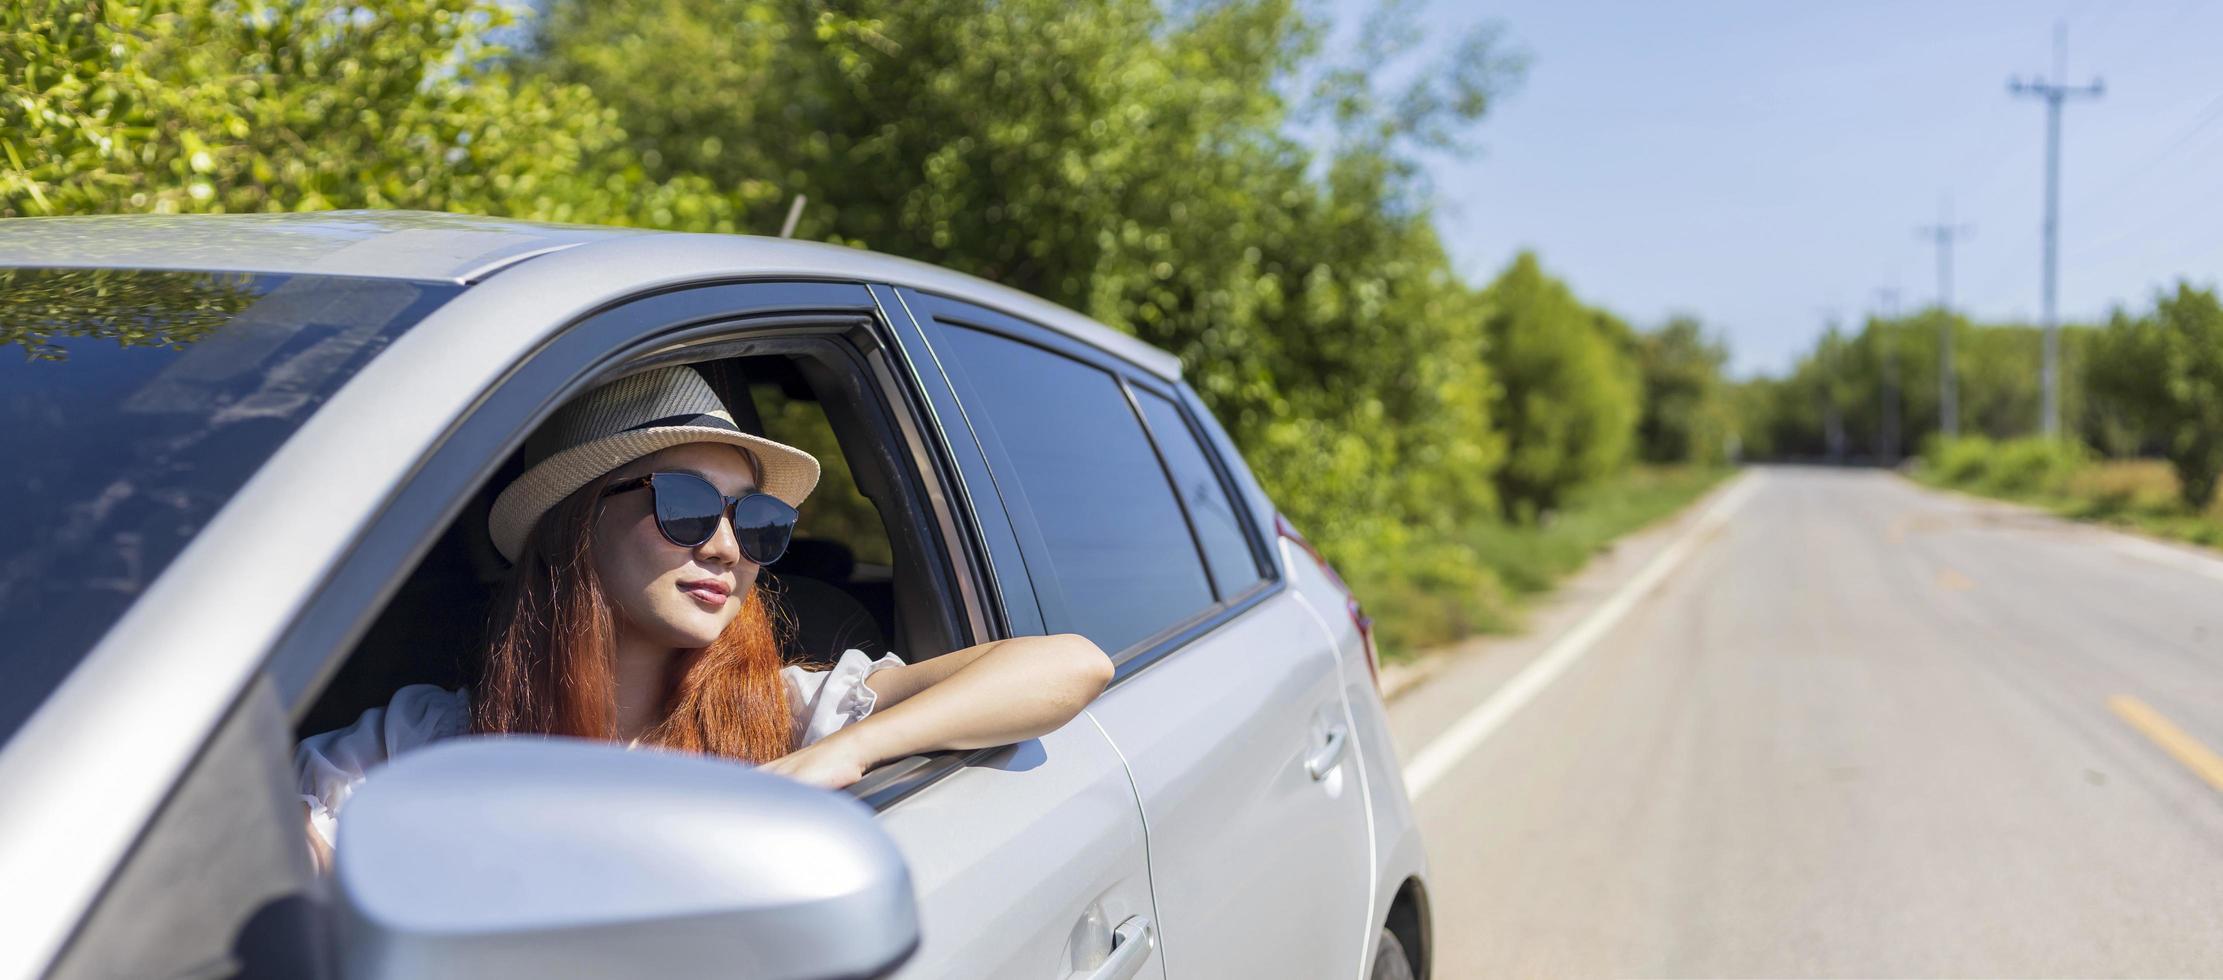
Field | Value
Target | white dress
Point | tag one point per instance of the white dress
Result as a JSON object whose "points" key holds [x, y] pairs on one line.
{"points": [[330, 765]]}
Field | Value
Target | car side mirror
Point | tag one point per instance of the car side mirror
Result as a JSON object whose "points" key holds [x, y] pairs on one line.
{"points": [[545, 857]]}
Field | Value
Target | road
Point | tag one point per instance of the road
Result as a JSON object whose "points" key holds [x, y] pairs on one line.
{"points": [[1862, 728]]}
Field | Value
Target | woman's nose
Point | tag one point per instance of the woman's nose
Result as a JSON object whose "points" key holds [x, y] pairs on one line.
{"points": [[722, 546]]}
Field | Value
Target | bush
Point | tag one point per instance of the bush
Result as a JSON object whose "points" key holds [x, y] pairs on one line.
{"points": [[2035, 467], [2164, 372], [2019, 468], [1961, 462]]}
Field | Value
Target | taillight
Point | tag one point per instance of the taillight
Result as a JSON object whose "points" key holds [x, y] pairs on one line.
{"points": [[1359, 619]]}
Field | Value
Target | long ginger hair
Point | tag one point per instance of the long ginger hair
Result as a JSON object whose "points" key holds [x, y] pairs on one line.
{"points": [[548, 666]]}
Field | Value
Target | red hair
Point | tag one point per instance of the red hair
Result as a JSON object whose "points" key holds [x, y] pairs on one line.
{"points": [[548, 666]]}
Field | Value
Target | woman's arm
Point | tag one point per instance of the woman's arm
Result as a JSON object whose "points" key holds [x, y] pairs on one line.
{"points": [[320, 853], [991, 694]]}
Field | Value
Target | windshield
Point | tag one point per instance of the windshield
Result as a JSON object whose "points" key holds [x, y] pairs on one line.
{"points": [[133, 404]]}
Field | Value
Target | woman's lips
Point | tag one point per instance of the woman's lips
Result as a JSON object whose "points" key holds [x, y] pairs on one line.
{"points": [[709, 595]]}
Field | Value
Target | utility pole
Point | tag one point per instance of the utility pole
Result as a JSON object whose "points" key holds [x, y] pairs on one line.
{"points": [[1830, 355], [2054, 91], [1944, 233], [1886, 330]]}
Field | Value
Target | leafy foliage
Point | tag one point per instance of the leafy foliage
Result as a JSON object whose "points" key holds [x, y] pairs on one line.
{"points": [[1138, 161], [1841, 398], [1569, 403], [1686, 410], [2164, 371], [212, 105]]}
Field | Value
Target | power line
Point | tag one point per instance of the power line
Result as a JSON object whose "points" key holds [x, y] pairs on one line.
{"points": [[2054, 92], [1944, 234]]}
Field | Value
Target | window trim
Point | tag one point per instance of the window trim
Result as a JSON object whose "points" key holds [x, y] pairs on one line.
{"points": [[1246, 522], [959, 556], [367, 574]]}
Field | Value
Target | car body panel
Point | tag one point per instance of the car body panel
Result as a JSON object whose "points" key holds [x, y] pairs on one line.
{"points": [[1395, 830], [1014, 857], [1250, 854], [460, 248]]}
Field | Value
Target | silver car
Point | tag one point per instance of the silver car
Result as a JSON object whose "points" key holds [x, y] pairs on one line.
{"points": [[247, 463]]}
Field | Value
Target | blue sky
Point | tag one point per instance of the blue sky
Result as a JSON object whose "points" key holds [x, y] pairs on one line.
{"points": [[1762, 165]]}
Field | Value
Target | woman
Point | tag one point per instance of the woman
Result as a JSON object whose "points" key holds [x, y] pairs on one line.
{"points": [[631, 614]]}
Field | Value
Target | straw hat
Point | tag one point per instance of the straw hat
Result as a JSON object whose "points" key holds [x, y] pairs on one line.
{"points": [[623, 421]]}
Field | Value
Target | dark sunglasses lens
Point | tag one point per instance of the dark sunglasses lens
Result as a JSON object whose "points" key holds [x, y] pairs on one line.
{"points": [[763, 524], [687, 508]]}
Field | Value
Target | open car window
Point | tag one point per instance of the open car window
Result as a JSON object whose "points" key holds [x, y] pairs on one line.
{"points": [[845, 582]]}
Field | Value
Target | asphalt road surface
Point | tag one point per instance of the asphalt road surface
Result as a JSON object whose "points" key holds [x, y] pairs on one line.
{"points": [[1839, 726]]}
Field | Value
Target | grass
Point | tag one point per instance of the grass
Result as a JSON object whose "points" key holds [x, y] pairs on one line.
{"points": [[1533, 560], [2140, 494], [1522, 562]]}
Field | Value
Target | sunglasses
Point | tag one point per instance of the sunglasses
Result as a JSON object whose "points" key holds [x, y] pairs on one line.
{"points": [[688, 508]]}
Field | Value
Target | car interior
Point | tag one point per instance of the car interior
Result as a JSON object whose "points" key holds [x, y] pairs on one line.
{"points": [[862, 571]]}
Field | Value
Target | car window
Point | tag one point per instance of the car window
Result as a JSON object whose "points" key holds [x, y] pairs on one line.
{"points": [[1118, 547], [1218, 530], [836, 510], [133, 404]]}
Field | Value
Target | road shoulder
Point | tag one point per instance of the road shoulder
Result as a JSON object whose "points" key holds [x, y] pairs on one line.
{"points": [[1432, 692]]}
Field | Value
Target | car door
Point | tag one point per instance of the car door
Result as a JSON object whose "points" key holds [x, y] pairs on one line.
{"points": [[1227, 706], [1027, 860]]}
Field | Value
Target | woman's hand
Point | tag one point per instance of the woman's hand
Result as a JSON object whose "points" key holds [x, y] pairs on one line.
{"points": [[832, 762]]}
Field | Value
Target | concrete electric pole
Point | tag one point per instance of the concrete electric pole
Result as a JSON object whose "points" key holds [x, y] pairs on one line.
{"points": [[2054, 91], [1944, 233]]}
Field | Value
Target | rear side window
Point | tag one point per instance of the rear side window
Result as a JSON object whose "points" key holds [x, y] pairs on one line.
{"points": [[1218, 530], [1122, 563]]}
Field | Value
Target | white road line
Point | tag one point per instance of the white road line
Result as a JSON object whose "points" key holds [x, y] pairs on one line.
{"points": [[1438, 758]]}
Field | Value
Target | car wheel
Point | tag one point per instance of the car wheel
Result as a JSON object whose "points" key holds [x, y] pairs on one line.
{"points": [[1390, 962]]}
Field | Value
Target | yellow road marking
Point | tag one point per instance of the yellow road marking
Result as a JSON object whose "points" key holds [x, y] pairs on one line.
{"points": [[2182, 747], [1952, 581]]}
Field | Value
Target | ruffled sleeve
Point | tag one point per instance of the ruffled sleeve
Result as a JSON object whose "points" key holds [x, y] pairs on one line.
{"points": [[825, 700], [330, 765]]}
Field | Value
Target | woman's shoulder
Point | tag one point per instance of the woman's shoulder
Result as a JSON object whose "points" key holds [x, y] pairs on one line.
{"points": [[853, 665], [414, 715], [432, 706], [331, 764]]}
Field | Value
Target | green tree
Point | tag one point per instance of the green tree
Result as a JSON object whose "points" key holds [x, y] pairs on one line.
{"points": [[1569, 401], [1132, 161], [213, 105], [1686, 417], [2165, 371]]}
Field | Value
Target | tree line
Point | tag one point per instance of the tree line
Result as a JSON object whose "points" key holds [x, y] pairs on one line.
{"points": [[2144, 383], [1213, 177]]}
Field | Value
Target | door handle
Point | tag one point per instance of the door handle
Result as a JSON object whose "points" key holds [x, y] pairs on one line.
{"points": [[1324, 759], [1131, 946]]}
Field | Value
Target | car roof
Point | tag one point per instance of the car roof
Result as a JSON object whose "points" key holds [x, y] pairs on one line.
{"points": [[463, 249]]}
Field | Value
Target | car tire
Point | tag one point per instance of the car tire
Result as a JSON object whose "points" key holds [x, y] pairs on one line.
{"points": [[1390, 961]]}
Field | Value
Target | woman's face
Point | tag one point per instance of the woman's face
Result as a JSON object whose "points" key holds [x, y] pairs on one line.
{"points": [[663, 593]]}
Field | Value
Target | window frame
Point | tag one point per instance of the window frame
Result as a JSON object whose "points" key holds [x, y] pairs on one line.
{"points": [[673, 325], [933, 313], [1246, 521]]}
